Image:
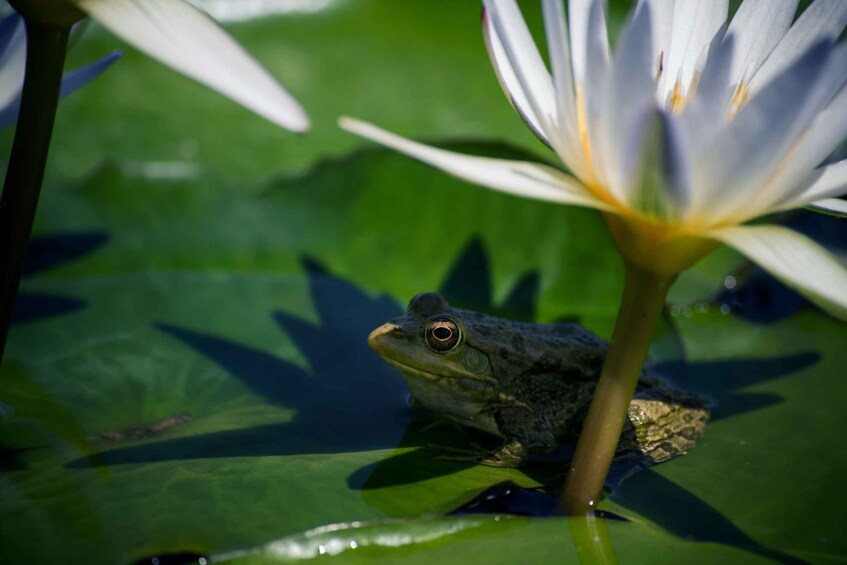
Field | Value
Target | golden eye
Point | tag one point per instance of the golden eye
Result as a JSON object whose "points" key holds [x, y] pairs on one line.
{"points": [[442, 335]]}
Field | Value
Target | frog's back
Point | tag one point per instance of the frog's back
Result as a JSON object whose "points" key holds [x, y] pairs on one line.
{"points": [[553, 368]]}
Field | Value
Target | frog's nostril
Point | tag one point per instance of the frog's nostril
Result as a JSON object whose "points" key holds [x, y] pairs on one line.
{"points": [[378, 336]]}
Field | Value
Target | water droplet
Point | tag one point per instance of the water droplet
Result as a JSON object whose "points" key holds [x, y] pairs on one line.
{"points": [[729, 282], [321, 550], [353, 544], [725, 309], [701, 308]]}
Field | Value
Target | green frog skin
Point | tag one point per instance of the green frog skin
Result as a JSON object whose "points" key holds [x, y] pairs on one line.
{"points": [[529, 384]]}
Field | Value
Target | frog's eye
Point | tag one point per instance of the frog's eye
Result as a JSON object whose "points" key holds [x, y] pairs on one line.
{"points": [[442, 335]]}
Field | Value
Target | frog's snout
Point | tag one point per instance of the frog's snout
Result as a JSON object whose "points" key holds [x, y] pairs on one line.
{"points": [[378, 339]]}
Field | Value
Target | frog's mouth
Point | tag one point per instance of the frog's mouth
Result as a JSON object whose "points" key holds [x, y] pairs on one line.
{"points": [[414, 372]]}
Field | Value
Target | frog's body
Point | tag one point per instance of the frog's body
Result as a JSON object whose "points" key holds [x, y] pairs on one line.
{"points": [[530, 384]]}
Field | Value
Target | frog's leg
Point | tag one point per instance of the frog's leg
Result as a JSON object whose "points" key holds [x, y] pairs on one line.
{"points": [[526, 435], [662, 423]]}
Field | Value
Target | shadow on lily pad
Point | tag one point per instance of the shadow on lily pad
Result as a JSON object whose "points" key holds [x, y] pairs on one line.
{"points": [[45, 253]]}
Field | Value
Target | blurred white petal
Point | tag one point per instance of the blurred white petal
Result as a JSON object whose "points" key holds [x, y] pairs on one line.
{"points": [[186, 39], [695, 24], [509, 81], [832, 206], [823, 19], [661, 21], [566, 134], [71, 82], [592, 92], [797, 168], [587, 36], [757, 27], [661, 184], [522, 178], [831, 181], [706, 113], [12, 58], [794, 259], [525, 60], [630, 99]]}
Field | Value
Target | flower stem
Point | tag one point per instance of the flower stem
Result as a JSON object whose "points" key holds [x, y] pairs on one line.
{"points": [[45, 58], [642, 302]]}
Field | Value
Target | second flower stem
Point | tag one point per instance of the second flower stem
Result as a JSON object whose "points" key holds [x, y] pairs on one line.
{"points": [[45, 58], [642, 303]]}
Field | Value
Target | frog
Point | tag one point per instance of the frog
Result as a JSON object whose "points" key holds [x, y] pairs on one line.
{"points": [[529, 384]]}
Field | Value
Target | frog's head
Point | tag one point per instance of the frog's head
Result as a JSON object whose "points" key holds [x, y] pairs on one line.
{"points": [[430, 347]]}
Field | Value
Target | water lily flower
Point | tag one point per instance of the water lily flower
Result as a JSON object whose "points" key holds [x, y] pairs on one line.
{"points": [[186, 39], [12, 58], [693, 128]]}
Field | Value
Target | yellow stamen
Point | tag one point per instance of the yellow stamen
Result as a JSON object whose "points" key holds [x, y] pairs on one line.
{"points": [[739, 99], [677, 100], [582, 128]]}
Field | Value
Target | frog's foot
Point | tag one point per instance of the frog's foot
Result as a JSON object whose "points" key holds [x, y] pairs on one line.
{"points": [[663, 423], [511, 454]]}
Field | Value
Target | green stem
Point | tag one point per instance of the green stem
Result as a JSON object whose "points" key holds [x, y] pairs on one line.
{"points": [[642, 302], [45, 58]]}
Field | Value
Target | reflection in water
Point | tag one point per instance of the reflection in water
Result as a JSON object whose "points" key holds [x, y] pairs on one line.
{"points": [[240, 10], [592, 540]]}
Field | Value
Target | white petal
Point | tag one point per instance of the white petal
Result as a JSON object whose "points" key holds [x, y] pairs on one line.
{"points": [[662, 183], [530, 180], [831, 181], [587, 36], [787, 188], [832, 206], [736, 164], [661, 12], [705, 114], [567, 141], [509, 81], [794, 259], [189, 41], [823, 19], [588, 31], [526, 62], [757, 27], [630, 100], [12, 58], [695, 24]]}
